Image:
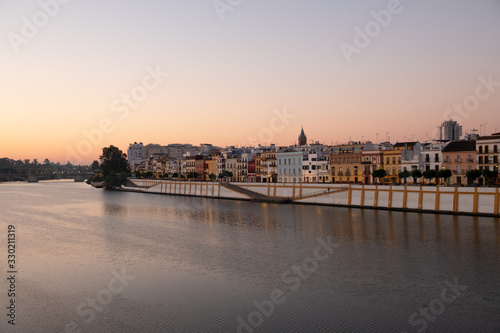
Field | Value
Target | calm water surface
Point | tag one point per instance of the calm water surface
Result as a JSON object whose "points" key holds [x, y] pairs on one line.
{"points": [[199, 265]]}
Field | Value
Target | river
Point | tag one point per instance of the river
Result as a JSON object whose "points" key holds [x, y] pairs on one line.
{"points": [[90, 260]]}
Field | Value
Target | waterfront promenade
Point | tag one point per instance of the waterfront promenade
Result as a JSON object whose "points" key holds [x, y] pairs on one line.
{"points": [[432, 199]]}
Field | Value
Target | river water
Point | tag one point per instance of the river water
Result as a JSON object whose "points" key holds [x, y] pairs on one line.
{"points": [[89, 260]]}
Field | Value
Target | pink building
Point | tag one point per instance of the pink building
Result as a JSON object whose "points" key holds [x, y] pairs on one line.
{"points": [[460, 157]]}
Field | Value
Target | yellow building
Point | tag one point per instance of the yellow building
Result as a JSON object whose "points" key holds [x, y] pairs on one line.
{"points": [[346, 164], [211, 167], [392, 165], [258, 167]]}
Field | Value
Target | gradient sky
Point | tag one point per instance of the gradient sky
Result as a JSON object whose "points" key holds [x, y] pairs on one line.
{"points": [[227, 77]]}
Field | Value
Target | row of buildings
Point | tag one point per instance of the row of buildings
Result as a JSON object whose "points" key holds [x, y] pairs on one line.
{"points": [[311, 163]]}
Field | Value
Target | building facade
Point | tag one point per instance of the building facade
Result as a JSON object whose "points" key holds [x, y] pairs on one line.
{"points": [[289, 167], [460, 157]]}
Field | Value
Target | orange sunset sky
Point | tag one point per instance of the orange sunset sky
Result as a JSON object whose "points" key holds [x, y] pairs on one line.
{"points": [[231, 68]]}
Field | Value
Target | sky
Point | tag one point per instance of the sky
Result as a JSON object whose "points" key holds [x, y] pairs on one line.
{"points": [[78, 75]]}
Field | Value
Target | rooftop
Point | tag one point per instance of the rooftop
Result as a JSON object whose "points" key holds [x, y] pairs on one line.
{"points": [[465, 145]]}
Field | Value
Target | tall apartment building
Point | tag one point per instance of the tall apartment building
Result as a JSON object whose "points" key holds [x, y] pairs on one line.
{"points": [[450, 130]]}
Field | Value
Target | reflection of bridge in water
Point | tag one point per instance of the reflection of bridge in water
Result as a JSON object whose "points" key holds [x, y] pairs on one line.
{"points": [[80, 177]]}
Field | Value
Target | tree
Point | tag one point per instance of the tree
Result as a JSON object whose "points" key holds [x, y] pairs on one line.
{"points": [[490, 176], [175, 175], [430, 174], [192, 175], [138, 174], [444, 173], [415, 174], [46, 161], [94, 165], [380, 173], [114, 166], [404, 174], [472, 175], [212, 176]]}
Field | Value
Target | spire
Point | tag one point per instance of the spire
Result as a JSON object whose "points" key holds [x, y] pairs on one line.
{"points": [[302, 138]]}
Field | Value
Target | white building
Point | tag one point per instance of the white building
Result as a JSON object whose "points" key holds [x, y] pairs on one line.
{"points": [[290, 167], [431, 156], [136, 154]]}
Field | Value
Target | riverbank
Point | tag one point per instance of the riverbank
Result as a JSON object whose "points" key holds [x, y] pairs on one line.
{"points": [[421, 199]]}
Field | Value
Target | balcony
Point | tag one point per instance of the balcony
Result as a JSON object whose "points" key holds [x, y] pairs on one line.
{"points": [[458, 161], [340, 173], [470, 160]]}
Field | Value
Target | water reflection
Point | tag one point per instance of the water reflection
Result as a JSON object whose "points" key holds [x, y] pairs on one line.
{"points": [[201, 263]]}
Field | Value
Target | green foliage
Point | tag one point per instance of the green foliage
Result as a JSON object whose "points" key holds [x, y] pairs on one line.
{"points": [[490, 175], [415, 174], [404, 174], [444, 173], [175, 175], [380, 173], [430, 174], [225, 174], [212, 176], [114, 166], [472, 175], [192, 175], [94, 165]]}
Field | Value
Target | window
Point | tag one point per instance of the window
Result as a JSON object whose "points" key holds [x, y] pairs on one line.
{"points": [[495, 149], [480, 149], [459, 169], [486, 149], [393, 160], [447, 158], [387, 160], [480, 161]]}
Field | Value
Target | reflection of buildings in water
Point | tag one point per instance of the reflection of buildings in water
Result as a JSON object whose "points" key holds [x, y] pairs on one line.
{"points": [[456, 236], [115, 209], [477, 237]]}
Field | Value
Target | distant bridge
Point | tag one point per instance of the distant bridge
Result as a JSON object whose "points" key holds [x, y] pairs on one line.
{"points": [[80, 177]]}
